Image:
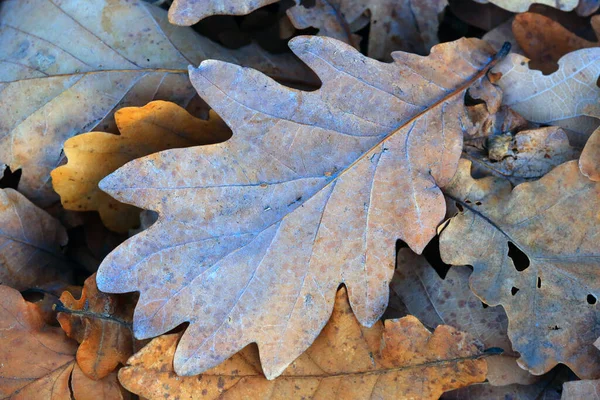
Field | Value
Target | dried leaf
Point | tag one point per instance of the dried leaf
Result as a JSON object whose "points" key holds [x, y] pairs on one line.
{"points": [[38, 361], [68, 77], [589, 163], [346, 361], [529, 155], [585, 389], [102, 324], [30, 243], [545, 41], [144, 130], [523, 5], [534, 251], [567, 98], [273, 208]]}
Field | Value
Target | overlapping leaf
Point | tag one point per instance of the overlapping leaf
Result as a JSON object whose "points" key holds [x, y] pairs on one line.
{"points": [[314, 188], [590, 157], [549, 297], [144, 130], [66, 77], [400, 357], [523, 5], [30, 243]]}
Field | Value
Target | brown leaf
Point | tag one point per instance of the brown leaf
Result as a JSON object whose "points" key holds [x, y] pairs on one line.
{"points": [[158, 126], [102, 324], [30, 243], [67, 77], [523, 5], [345, 361], [272, 209], [534, 250], [589, 163], [585, 389], [566, 98], [545, 41], [38, 361]]}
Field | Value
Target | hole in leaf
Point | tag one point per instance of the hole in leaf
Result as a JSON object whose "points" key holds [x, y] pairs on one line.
{"points": [[591, 299], [477, 203], [539, 284], [520, 259], [554, 328], [484, 305], [468, 201], [459, 206], [514, 290], [10, 179]]}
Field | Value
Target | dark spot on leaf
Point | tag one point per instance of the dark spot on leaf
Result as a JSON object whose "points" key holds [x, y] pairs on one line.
{"points": [[539, 282], [591, 299], [514, 290], [520, 259]]}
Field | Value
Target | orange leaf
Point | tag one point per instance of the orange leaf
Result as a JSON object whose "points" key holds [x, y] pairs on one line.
{"points": [[398, 358]]}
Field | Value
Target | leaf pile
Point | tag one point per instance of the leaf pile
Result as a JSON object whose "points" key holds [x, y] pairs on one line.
{"points": [[305, 199]]}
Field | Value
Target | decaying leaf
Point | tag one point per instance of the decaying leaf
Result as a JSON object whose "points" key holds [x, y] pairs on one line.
{"points": [[567, 98], [255, 234], [545, 41], [584, 389], [101, 323], [30, 243], [38, 361], [523, 5], [158, 126], [400, 358], [528, 155], [534, 250], [406, 25], [67, 77], [590, 157]]}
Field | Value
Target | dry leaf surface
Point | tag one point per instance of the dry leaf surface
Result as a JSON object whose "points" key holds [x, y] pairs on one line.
{"points": [[523, 5], [101, 323], [68, 77], [30, 243], [53, 374], [346, 361], [157, 126], [550, 298], [590, 157], [312, 190]]}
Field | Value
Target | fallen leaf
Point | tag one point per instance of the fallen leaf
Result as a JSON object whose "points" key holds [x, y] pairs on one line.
{"points": [[38, 360], [501, 34], [549, 99], [312, 190], [589, 163], [587, 7], [400, 357], [449, 301], [529, 155], [523, 5], [68, 77], [30, 243], [101, 323], [545, 41], [483, 16], [157, 126], [534, 251], [585, 389]]}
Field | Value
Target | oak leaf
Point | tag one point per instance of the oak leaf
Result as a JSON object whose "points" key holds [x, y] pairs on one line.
{"points": [[568, 98], [398, 358], [534, 251], [584, 389], [68, 77], [38, 360], [101, 323], [31, 243], [590, 157], [313, 190], [157, 126]]}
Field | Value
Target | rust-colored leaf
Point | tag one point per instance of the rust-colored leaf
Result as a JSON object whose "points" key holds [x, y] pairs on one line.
{"points": [[30, 243], [158, 126], [102, 324], [313, 190], [38, 361], [590, 157], [398, 359], [534, 250], [567, 98], [67, 77]]}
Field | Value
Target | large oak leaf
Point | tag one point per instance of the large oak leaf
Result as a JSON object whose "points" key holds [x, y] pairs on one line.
{"points": [[396, 359], [534, 250], [68, 77], [255, 234]]}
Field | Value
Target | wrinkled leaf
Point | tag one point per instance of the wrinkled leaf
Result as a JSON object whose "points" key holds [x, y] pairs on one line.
{"points": [[534, 250], [66, 77], [313, 190], [38, 361], [590, 157], [568, 98], [382, 362], [144, 130], [101, 323], [30, 243]]}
